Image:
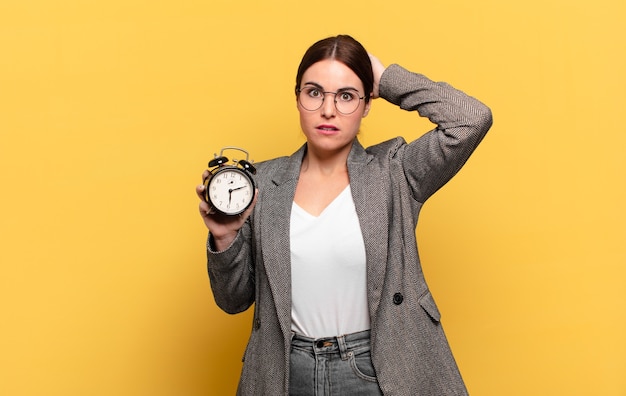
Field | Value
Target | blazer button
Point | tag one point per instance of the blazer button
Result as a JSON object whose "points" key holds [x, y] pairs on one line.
{"points": [[398, 298]]}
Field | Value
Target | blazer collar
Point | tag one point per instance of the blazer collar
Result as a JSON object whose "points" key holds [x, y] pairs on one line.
{"points": [[291, 169]]}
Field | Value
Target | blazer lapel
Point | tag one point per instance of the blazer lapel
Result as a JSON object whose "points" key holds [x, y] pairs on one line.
{"points": [[368, 189], [275, 218]]}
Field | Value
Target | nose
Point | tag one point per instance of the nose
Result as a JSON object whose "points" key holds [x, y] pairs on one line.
{"points": [[328, 106]]}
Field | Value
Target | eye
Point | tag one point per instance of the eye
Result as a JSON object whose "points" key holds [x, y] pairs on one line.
{"points": [[347, 96], [313, 92]]}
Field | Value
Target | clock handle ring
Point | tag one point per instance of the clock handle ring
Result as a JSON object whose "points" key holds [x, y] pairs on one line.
{"points": [[234, 148]]}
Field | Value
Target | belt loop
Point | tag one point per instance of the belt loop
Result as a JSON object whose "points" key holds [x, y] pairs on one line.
{"points": [[343, 349]]}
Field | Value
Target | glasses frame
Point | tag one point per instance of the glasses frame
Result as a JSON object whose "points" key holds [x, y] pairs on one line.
{"points": [[324, 93]]}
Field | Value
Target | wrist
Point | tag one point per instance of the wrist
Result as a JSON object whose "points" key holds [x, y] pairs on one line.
{"points": [[220, 243]]}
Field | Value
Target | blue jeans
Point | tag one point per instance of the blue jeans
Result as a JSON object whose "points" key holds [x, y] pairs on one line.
{"points": [[332, 366]]}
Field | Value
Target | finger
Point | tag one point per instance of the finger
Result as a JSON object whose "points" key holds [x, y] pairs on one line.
{"points": [[205, 174], [205, 209], [200, 191]]}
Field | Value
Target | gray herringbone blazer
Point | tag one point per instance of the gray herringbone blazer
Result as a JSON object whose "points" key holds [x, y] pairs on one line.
{"points": [[390, 182]]}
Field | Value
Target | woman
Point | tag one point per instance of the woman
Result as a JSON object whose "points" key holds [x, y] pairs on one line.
{"points": [[328, 251]]}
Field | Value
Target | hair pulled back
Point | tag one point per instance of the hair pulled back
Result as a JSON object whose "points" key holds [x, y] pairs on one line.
{"points": [[346, 50]]}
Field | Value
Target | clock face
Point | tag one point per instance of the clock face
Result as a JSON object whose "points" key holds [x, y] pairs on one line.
{"points": [[230, 191]]}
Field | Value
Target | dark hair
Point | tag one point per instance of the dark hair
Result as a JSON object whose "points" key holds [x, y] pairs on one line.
{"points": [[344, 49]]}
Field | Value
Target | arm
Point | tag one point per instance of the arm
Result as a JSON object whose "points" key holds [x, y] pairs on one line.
{"points": [[462, 122], [231, 272], [229, 256]]}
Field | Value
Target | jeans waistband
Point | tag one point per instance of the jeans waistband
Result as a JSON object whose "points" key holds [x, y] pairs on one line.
{"points": [[342, 344]]}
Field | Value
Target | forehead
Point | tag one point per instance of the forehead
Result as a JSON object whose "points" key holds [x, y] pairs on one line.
{"points": [[332, 75]]}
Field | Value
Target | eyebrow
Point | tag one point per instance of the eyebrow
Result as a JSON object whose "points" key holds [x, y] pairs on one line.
{"points": [[322, 88]]}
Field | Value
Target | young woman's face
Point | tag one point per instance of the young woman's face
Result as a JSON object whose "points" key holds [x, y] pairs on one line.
{"points": [[326, 129]]}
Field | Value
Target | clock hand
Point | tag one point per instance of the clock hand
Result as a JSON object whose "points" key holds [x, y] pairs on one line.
{"points": [[230, 193]]}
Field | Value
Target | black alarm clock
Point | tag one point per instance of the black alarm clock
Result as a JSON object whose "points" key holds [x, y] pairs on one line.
{"points": [[229, 188]]}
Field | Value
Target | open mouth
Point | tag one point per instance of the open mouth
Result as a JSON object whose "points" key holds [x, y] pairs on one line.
{"points": [[327, 128]]}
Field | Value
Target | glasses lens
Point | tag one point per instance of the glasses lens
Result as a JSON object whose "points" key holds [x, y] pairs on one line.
{"points": [[311, 98], [347, 101]]}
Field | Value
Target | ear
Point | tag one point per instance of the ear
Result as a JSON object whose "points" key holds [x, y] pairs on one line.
{"points": [[368, 105]]}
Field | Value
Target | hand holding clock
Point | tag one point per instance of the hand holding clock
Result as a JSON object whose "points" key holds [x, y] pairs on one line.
{"points": [[223, 228]]}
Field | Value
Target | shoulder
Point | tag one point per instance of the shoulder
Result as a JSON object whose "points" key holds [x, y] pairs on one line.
{"points": [[269, 169], [281, 168], [272, 164], [387, 149], [378, 155]]}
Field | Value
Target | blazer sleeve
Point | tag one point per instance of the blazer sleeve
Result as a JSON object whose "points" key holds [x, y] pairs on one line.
{"points": [[231, 272], [462, 121]]}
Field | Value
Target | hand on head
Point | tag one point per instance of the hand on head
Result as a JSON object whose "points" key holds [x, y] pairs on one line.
{"points": [[378, 68]]}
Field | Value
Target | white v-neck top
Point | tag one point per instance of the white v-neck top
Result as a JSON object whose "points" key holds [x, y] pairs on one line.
{"points": [[328, 271]]}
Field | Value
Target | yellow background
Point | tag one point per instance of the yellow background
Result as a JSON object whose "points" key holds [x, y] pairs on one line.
{"points": [[110, 110]]}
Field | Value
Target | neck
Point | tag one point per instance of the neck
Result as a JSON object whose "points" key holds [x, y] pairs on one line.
{"points": [[325, 163]]}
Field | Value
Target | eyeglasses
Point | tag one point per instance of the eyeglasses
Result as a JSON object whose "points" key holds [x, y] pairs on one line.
{"points": [[346, 100]]}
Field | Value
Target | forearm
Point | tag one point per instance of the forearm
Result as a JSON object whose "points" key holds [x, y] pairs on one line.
{"points": [[231, 272], [442, 104], [462, 122]]}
